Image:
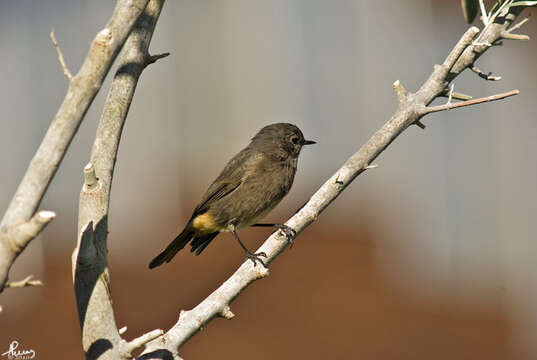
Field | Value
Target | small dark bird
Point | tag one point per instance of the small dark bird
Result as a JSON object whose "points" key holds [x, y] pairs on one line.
{"points": [[252, 183]]}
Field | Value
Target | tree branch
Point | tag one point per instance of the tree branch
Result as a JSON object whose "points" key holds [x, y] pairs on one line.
{"points": [[100, 336], [82, 89], [449, 105], [65, 69], [410, 110]]}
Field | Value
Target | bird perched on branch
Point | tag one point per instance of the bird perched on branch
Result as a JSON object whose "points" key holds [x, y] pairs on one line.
{"points": [[251, 184]]}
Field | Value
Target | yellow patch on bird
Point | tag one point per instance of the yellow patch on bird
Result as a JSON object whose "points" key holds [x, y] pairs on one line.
{"points": [[205, 224]]}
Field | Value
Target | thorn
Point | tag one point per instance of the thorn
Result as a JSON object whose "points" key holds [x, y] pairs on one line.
{"points": [[367, 167], [65, 69], [450, 94], [518, 25], [456, 95], [153, 58], [419, 124], [123, 330]]}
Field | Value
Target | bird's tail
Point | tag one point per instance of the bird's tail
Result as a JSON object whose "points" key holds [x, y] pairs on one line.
{"points": [[177, 244]]}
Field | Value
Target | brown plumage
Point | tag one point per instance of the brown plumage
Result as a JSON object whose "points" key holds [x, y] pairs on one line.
{"points": [[251, 184]]}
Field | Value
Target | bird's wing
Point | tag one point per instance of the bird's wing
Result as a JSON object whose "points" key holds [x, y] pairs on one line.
{"points": [[237, 170], [213, 194]]}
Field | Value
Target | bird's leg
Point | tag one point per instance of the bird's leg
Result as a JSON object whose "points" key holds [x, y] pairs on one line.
{"points": [[249, 255], [288, 232]]}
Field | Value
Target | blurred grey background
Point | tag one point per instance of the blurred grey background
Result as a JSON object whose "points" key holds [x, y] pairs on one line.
{"points": [[431, 254]]}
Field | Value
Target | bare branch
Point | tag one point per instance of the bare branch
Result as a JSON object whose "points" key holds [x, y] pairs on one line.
{"points": [[449, 106], [100, 336], [65, 69], [409, 111], [82, 90], [490, 35]]}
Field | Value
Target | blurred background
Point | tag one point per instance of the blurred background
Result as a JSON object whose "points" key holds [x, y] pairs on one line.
{"points": [[432, 254]]}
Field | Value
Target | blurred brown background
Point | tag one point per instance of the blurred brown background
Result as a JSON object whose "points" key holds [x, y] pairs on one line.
{"points": [[431, 255]]}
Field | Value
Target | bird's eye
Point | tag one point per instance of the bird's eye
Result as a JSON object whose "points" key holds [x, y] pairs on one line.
{"points": [[294, 140]]}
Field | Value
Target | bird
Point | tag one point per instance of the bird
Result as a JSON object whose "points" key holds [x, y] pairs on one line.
{"points": [[252, 183]]}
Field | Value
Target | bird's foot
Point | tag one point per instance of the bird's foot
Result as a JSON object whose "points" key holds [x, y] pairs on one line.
{"points": [[288, 232], [257, 257]]}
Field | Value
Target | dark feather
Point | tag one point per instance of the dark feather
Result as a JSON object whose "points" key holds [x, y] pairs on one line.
{"points": [[200, 243]]}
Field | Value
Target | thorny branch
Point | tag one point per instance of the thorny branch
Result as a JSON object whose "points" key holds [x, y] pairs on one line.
{"points": [[411, 108]]}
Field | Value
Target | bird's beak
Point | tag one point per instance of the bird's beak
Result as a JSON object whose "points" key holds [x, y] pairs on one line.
{"points": [[308, 142]]}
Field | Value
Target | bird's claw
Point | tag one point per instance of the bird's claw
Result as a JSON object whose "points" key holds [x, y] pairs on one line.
{"points": [[288, 232], [256, 257]]}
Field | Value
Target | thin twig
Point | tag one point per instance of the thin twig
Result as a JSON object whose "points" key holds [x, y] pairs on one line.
{"points": [[27, 281], [449, 106], [510, 36], [65, 69], [482, 75], [484, 16], [455, 95], [450, 94], [518, 25]]}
